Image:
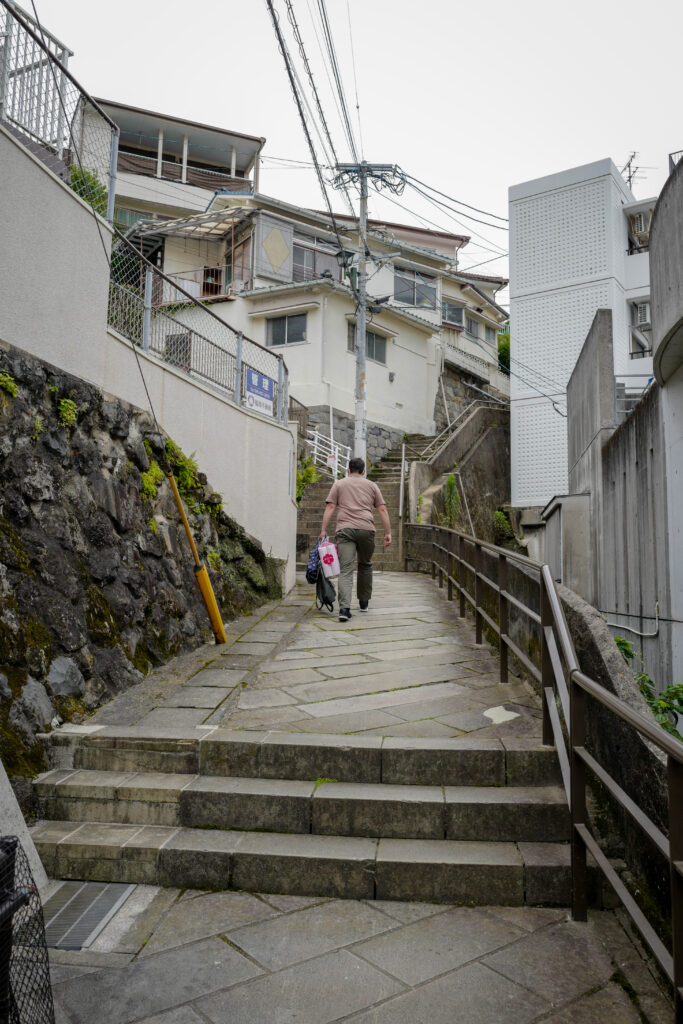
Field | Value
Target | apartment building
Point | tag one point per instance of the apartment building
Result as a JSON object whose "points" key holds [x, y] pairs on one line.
{"points": [[578, 243]]}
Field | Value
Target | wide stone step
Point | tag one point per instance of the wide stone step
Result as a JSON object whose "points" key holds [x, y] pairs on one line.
{"points": [[461, 761], [308, 865], [320, 807]]}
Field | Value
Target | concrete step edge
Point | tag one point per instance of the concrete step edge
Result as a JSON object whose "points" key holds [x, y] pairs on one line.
{"points": [[284, 755], [345, 867]]}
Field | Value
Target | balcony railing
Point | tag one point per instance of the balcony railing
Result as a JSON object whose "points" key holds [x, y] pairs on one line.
{"points": [[201, 177], [481, 368], [209, 282]]}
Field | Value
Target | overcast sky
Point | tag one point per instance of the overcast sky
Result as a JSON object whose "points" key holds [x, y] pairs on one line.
{"points": [[470, 97]]}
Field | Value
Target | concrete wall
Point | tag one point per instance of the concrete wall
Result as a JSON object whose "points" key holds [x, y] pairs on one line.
{"points": [[54, 281], [590, 423], [623, 472], [666, 255]]}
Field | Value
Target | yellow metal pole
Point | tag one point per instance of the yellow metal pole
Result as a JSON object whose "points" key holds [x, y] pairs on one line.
{"points": [[201, 572]]}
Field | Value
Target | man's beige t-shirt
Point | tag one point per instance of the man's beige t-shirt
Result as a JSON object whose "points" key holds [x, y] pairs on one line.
{"points": [[355, 498]]}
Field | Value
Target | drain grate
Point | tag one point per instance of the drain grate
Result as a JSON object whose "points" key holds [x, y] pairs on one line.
{"points": [[76, 914]]}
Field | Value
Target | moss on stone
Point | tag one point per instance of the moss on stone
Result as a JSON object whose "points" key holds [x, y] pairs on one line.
{"points": [[37, 639], [100, 620], [12, 551], [19, 757], [252, 572]]}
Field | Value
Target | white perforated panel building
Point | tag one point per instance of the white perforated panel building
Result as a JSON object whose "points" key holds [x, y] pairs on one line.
{"points": [[576, 246]]}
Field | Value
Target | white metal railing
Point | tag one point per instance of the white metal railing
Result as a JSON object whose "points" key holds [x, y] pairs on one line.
{"points": [[43, 105], [329, 455], [436, 446]]}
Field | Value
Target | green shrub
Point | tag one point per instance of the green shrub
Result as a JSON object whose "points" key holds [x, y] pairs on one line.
{"points": [[214, 559], [504, 352], [665, 706], [8, 383], [502, 530], [38, 427], [88, 186], [306, 473]]}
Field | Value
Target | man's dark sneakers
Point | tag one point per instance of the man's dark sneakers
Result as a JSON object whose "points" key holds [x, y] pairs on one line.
{"points": [[364, 605], [344, 614]]}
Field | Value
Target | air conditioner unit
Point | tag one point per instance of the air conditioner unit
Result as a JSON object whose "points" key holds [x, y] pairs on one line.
{"points": [[642, 318]]}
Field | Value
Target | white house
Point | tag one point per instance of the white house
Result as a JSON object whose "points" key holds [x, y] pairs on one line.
{"points": [[578, 243], [189, 196]]}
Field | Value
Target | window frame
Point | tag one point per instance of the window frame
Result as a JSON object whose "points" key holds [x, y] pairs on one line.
{"points": [[351, 344], [415, 281], [453, 305], [286, 318], [469, 323]]}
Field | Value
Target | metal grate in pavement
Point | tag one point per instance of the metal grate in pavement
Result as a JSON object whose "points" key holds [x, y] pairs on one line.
{"points": [[76, 914]]}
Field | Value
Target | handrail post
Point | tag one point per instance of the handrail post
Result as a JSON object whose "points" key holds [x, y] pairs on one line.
{"points": [[280, 390], [461, 575], [449, 563], [433, 559], [440, 558], [113, 165], [577, 799], [675, 781], [547, 680], [503, 616], [238, 370], [401, 502], [147, 314], [477, 593]]}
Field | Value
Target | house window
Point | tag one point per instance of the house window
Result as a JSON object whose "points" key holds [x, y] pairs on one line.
{"points": [[451, 313], [375, 345], [491, 335], [472, 326], [286, 330], [311, 261], [414, 288], [212, 281]]}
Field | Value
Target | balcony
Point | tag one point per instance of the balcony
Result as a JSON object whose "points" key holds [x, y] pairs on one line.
{"points": [[207, 283], [172, 170]]}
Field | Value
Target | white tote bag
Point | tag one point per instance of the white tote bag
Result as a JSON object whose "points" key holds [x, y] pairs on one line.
{"points": [[329, 558]]}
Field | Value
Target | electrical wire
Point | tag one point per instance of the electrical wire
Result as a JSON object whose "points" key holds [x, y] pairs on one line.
{"points": [[332, 157], [431, 223], [467, 216], [329, 42], [458, 202], [355, 77], [297, 99], [472, 232]]}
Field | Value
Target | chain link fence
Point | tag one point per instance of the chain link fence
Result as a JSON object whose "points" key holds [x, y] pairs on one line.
{"points": [[44, 107], [156, 313], [25, 992]]}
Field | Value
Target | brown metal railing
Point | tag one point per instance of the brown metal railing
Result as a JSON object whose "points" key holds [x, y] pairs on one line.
{"points": [[478, 574]]}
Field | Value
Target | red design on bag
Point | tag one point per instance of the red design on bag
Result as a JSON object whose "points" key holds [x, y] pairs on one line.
{"points": [[328, 559]]}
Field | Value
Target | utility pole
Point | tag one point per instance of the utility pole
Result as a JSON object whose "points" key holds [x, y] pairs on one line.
{"points": [[389, 175]]}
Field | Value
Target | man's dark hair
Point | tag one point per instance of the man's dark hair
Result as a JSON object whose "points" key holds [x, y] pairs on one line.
{"points": [[356, 466]]}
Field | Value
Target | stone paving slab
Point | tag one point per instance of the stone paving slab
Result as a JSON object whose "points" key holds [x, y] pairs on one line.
{"points": [[250, 959]]}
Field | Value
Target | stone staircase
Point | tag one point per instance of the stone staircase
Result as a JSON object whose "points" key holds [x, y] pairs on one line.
{"points": [[387, 475], [359, 817]]}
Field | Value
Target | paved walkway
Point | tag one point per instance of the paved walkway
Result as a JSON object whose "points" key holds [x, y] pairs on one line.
{"points": [[408, 668]]}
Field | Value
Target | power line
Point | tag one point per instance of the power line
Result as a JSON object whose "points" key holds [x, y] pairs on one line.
{"points": [[355, 77], [457, 201], [333, 157], [465, 227], [467, 216], [329, 41], [297, 99], [439, 227]]}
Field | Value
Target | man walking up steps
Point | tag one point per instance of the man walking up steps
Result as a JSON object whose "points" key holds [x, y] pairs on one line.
{"points": [[355, 498]]}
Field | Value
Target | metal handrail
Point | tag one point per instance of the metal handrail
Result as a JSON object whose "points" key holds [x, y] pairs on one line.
{"points": [[430, 451], [456, 558], [330, 455]]}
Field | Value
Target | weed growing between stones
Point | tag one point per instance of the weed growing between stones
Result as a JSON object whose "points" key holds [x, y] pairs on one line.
{"points": [[8, 384], [67, 411], [152, 480]]}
